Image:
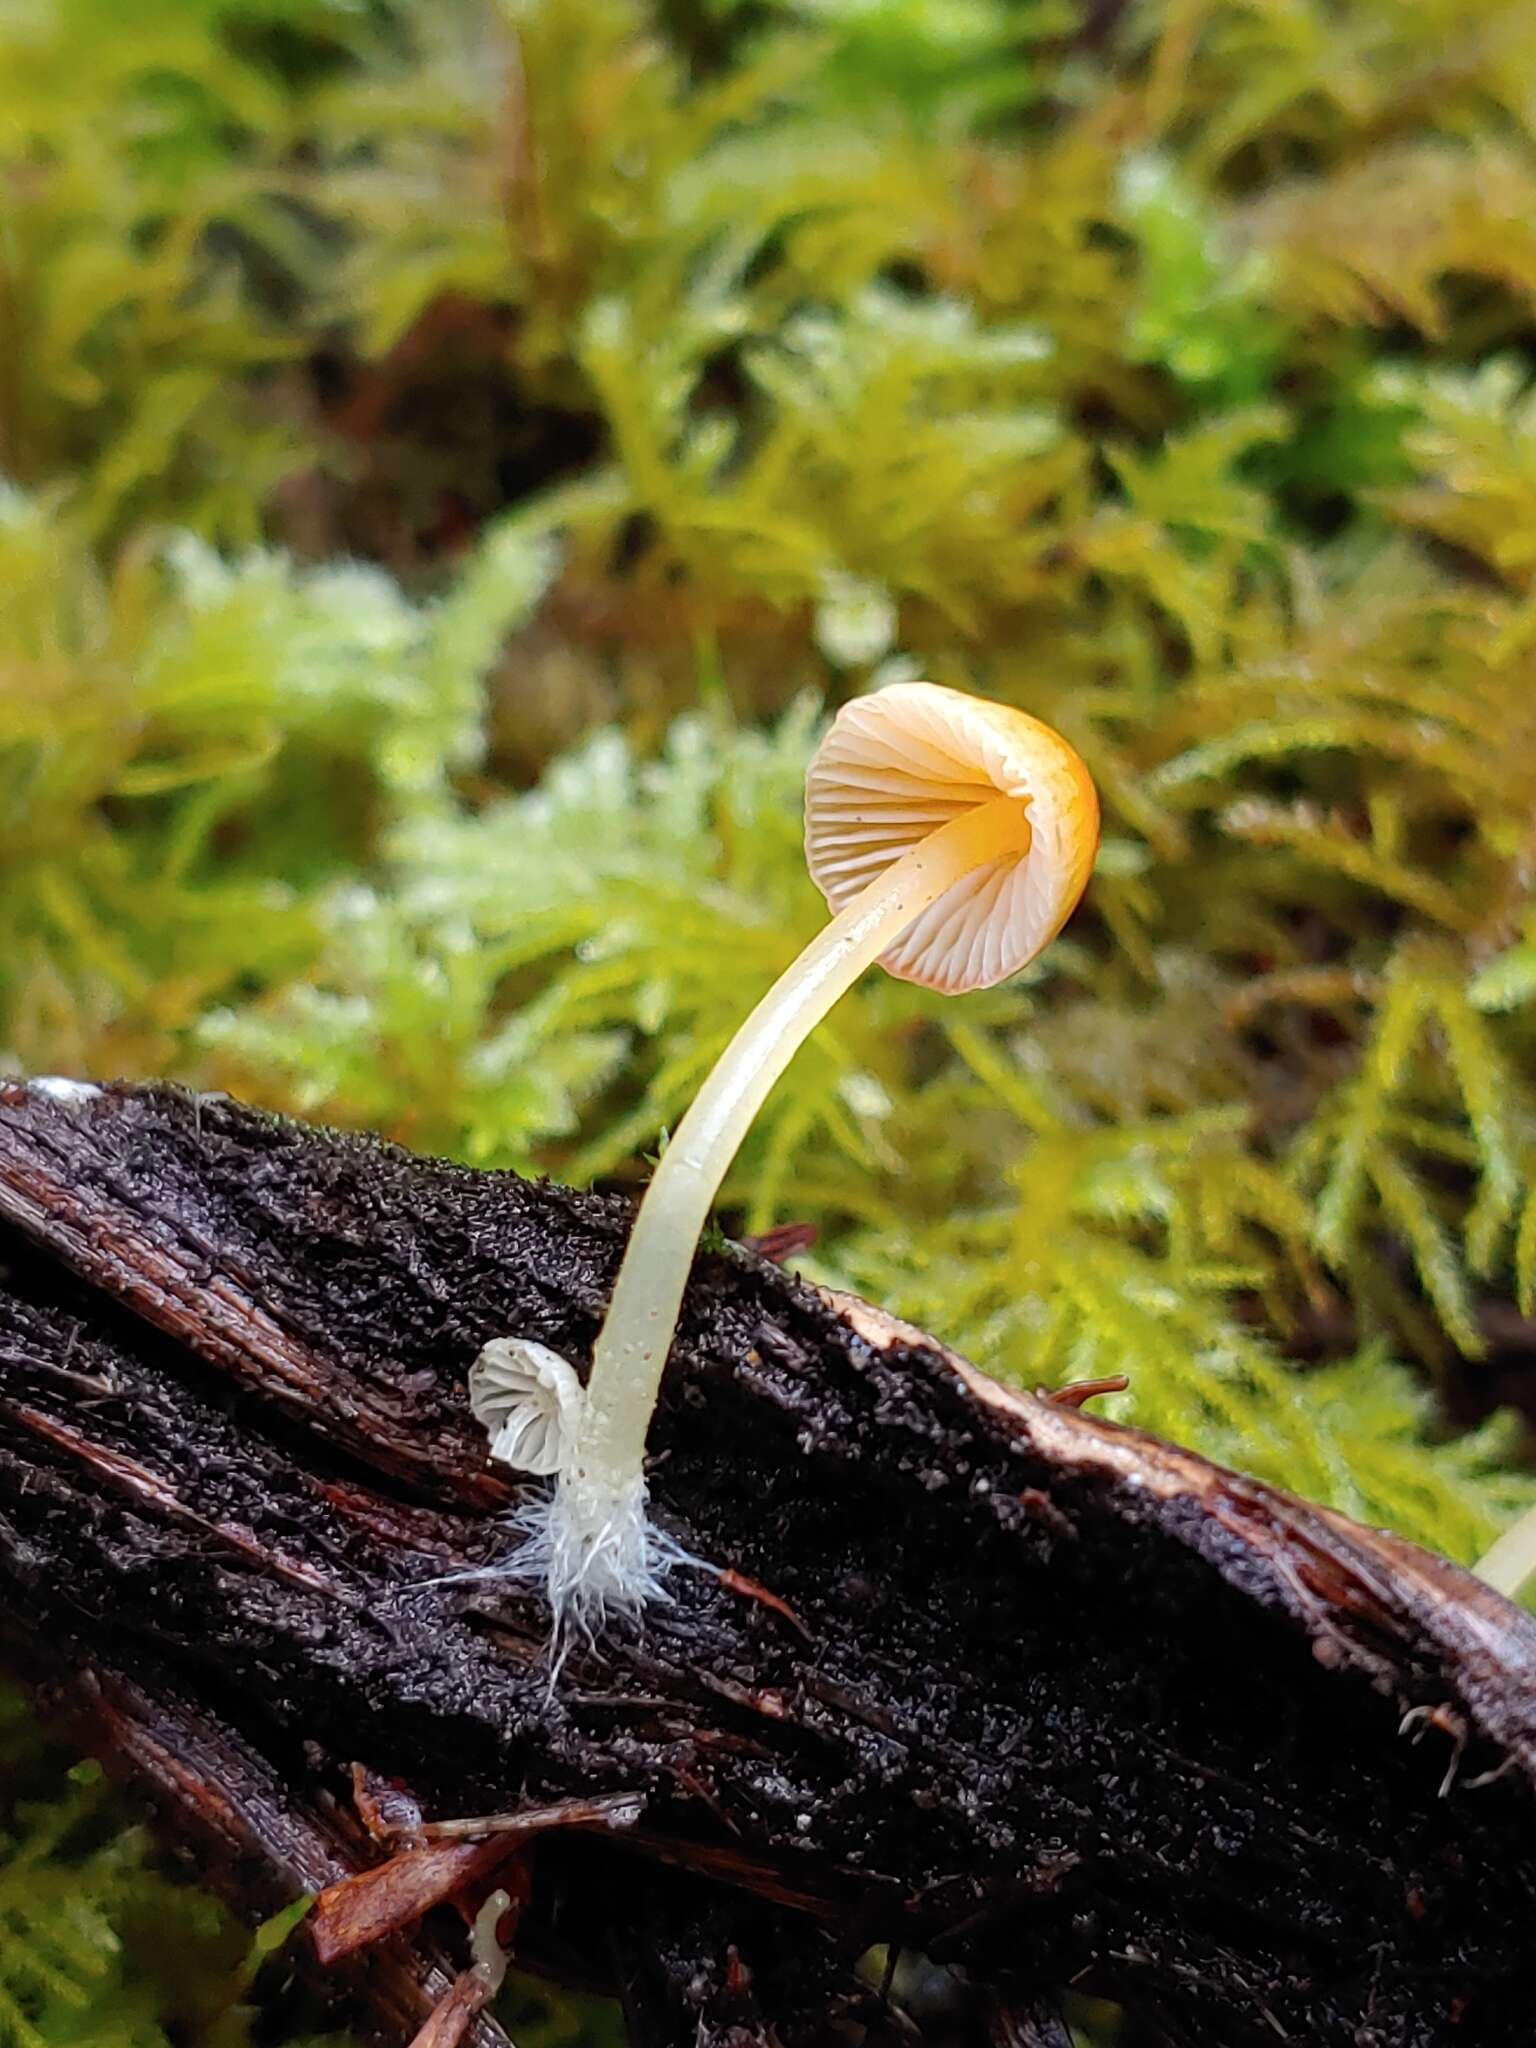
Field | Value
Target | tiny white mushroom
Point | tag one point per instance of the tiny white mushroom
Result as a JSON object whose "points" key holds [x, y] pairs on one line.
{"points": [[952, 838], [489, 1959], [528, 1401]]}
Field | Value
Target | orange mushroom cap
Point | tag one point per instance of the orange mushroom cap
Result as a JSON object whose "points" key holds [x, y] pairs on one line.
{"points": [[905, 760]]}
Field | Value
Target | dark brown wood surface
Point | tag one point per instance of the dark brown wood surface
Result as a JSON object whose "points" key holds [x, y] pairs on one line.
{"points": [[1045, 1700]]}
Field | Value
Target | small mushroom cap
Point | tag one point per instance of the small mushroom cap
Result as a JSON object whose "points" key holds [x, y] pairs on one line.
{"points": [[528, 1401], [905, 760]]}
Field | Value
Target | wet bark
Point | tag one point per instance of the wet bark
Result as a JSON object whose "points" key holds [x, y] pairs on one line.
{"points": [[1047, 1701]]}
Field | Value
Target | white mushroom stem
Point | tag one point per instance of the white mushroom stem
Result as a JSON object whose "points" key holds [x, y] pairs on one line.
{"points": [[597, 1550], [488, 1958], [1511, 1564]]}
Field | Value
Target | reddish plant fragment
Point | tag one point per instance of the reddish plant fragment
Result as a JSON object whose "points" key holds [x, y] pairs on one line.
{"points": [[738, 1582], [1076, 1392], [363, 1909], [782, 1242], [386, 1807], [449, 2020]]}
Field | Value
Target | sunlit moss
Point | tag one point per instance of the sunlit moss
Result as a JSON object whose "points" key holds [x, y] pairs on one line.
{"points": [[392, 394]]}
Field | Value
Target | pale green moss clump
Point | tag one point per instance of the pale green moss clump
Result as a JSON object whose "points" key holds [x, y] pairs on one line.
{"points": [[432, 541]]}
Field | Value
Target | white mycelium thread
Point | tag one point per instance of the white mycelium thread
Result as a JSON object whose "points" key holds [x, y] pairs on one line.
{"points": [[530, 1402], [595, 1554], [58, 1088]]}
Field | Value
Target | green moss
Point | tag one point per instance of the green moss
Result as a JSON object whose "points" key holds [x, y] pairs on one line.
{"points": [[99, 1947], [457, 454]]}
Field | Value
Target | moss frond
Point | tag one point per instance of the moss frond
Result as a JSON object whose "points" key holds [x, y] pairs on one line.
{"points": [[456, 454]]}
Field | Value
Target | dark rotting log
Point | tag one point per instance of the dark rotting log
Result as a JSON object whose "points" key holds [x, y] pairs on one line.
{"points": [[970, 1674]]}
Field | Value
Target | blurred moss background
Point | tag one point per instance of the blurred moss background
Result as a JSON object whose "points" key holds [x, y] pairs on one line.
{"points": [[455, 450]]}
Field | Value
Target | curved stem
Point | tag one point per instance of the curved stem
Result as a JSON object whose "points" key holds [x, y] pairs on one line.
{"points": [[631, 1351]]}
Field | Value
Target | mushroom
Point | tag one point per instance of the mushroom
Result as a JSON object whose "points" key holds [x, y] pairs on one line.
{"points": [[952, 838], [528, 1401]]}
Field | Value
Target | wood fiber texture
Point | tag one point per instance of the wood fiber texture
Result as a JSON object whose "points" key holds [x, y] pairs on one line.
{"points": [[1044, 1700]]}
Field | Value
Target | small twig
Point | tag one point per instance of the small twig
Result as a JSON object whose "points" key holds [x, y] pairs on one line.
{"points": [[782, 1242], [362, 1910], [738, 1582], [1077, 1392], [619, 1810]]}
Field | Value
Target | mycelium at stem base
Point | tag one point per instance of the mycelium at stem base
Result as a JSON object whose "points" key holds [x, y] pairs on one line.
{"points": [[591, 1544]]}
